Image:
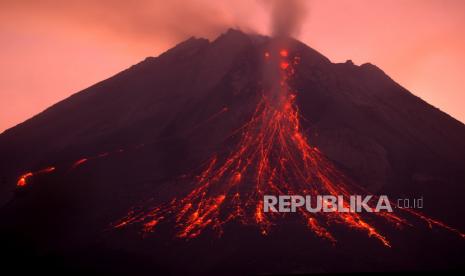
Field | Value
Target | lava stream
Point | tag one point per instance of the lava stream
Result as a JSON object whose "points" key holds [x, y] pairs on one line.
{"points": [[23, 179], [273, 157]]}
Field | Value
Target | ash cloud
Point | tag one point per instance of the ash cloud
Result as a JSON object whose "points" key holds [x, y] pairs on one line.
{"points": [[155, 21], [287, 16], [286, 20]]}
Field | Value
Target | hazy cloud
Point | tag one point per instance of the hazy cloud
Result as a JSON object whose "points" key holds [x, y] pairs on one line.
{"points": [[287, 16]]}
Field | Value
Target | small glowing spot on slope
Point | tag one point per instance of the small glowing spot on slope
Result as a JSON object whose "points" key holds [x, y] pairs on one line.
{"points": [[22, 181], [79, 162], [284, 65]]}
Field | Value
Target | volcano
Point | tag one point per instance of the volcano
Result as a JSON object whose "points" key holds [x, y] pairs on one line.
{"points": [[163, 167]]}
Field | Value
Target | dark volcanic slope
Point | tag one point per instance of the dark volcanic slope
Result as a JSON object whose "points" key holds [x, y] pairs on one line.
{"points": [[158, 98], [172, 112]]}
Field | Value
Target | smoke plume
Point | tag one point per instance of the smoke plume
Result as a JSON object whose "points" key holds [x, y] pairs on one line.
{"points": [[287, 17]]}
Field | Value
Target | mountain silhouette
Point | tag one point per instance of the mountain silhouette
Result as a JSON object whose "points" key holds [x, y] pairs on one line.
{"points": [[69, 173]]}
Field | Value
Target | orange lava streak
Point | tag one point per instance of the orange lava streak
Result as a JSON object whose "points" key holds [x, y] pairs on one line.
{"points": [[273, 157], [79, 162], [22, 180], [432, 222]]}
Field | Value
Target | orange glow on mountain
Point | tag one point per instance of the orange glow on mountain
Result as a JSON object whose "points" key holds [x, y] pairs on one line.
{"points": [[79, 162], [273, 157], [284, 65], [23, 179]]}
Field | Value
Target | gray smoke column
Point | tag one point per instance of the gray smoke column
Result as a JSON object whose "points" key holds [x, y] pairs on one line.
{"points": [[287, 16]]}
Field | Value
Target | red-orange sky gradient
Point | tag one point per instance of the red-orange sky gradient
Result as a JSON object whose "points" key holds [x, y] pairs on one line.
{"points": [[51, 49]]}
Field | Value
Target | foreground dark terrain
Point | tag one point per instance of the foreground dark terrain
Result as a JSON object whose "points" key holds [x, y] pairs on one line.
{"points": [[144, 133]]}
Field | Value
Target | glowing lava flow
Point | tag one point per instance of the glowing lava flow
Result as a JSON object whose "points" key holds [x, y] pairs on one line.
{"points": [[79, 162], [22, 180], [273, 157]]}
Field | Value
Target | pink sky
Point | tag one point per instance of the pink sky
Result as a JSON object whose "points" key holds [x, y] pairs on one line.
{"points": [[51, 49]]}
